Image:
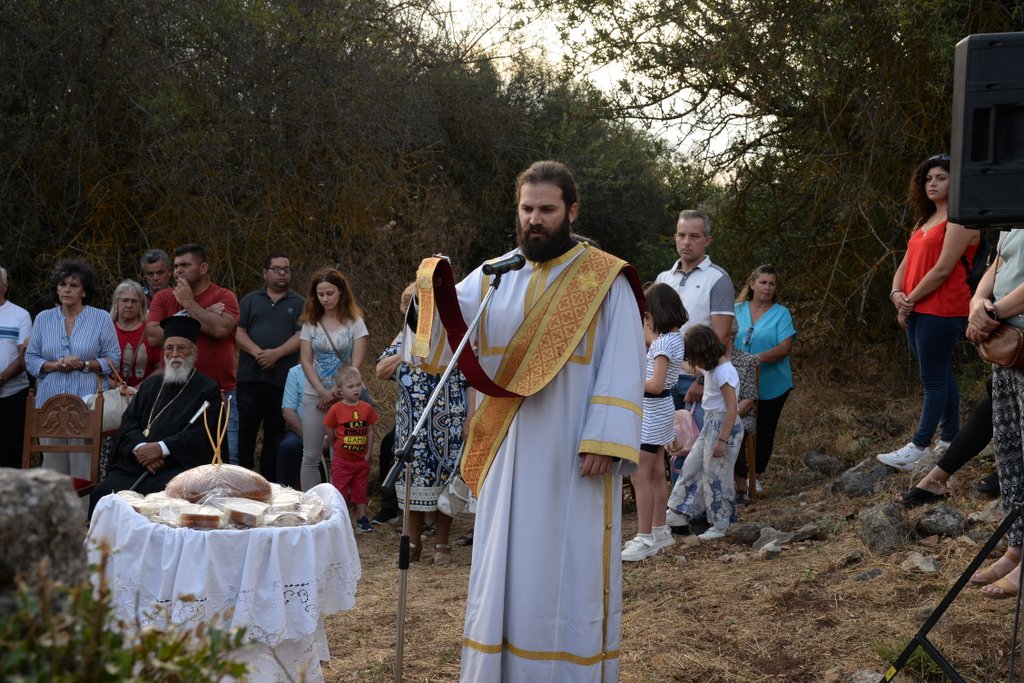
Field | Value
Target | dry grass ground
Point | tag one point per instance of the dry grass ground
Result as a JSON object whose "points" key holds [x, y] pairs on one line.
{"points": [[713, 612]]}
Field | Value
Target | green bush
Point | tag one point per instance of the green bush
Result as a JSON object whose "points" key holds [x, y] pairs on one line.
{"points": [[58, 633]]}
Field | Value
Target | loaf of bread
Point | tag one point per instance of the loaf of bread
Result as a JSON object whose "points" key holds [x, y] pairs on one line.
{"points": [[243, 512], [286, 500], [200, 517], [278, 519], [219, 481]]}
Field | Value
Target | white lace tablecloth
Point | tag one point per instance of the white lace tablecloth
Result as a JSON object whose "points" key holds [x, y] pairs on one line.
{"points": [[278, 583]]}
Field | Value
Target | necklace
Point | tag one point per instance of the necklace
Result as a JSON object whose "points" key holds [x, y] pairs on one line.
{"points": [[152, 419]]}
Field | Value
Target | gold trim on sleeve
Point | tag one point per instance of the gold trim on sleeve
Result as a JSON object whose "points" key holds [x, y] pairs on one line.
{"points": [[615, 450], [617, 402]]}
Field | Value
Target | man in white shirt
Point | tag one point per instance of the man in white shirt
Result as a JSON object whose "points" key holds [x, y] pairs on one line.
{"points": [[15, 325], [706, 290]]}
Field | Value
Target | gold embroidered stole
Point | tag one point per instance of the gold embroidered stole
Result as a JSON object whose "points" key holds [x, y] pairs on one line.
{"points": [[539, 350]]}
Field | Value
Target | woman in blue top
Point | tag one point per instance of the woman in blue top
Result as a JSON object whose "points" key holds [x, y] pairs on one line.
{"points": [[766, 330], [70, 344]]}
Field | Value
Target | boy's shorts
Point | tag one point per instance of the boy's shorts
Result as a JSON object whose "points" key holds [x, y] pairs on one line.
{"points": [[351, 478]]}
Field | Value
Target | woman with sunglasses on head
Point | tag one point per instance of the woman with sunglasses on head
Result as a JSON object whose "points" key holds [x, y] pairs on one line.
{"points": [[932, 298], [766, 330]]}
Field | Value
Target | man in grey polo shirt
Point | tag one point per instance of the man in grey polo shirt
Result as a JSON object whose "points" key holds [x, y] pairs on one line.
{"points": [[268, 343], [706, 291]]}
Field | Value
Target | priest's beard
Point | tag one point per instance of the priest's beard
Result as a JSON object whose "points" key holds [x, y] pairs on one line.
{"points": [[177, 371], [539, 246]]}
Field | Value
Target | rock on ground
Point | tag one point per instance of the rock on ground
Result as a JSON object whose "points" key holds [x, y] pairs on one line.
{"points": [[881, 527], [823, 463], [862, 478], [941, 520]]}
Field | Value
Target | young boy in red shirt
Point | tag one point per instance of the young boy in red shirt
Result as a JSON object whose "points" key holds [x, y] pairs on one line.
{"points": [[351, 421]]}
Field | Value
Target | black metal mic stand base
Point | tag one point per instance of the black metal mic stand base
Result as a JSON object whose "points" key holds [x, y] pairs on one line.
{"points": [[920, 640]]}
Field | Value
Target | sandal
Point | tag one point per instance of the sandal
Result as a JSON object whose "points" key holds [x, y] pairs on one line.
{"points": [[442, 555], [921, 496], [989, 575], [1008, 590], [467, 539], [414, 552]]}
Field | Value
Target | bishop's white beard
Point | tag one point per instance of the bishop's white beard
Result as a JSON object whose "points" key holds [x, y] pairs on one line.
{"points": [[178, 370]]}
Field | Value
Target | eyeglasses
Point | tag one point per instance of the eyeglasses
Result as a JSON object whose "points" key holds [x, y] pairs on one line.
{"points": [[128, 300], [750, 335], [939, 157], [280, 270]]}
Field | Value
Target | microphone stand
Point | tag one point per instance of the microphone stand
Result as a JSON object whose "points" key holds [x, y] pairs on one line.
{"points": [[403, 456]]}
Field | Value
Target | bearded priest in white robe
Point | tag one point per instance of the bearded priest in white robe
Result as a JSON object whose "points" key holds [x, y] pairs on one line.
{"points": [[545, 593]]}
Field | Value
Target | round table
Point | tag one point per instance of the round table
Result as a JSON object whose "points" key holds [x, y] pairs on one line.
{"points": [[277, 583]]}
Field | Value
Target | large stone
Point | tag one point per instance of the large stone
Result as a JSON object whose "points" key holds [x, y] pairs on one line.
{"points": [[770, 535], [881, 527], [42, 524], [942, 520], [745, 533], [862, 478], [990, 514], [823, 463], [922, 563]]}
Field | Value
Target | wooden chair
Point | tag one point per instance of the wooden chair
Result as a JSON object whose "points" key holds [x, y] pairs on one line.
{"points": [[65, 416]]}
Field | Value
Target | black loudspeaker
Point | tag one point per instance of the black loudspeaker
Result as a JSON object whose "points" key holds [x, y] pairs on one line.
{"points": [[987, 150]]}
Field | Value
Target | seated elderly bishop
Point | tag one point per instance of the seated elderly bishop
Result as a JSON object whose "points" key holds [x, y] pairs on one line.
{"points": [[162, 432]]}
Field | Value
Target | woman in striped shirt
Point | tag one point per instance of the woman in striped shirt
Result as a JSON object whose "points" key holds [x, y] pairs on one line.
{"points": [[70, 344]]}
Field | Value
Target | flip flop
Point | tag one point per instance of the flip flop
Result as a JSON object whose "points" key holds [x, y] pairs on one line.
{"points": [[919, 496], [1009, 590]]}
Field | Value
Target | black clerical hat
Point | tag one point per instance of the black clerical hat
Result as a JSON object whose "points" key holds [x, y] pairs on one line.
{"points": [[181, 326]]}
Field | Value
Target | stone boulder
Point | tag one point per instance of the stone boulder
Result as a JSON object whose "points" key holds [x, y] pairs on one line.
{"points": [[42, 523], [942, 520], [881, 527], [822, 463], [862, 478], [770, 535]]}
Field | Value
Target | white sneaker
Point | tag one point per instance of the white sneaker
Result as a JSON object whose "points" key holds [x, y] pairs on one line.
{"points": [[673, 518], [711, 534], [941, 447], [904, 458], [639, 549], [663, 537]]}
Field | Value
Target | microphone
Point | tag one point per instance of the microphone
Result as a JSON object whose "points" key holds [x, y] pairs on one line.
{"points": [[500, 267]]}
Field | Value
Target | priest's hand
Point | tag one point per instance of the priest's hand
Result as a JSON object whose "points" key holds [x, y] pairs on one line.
{"points": [[594, 464], [150, 456]]}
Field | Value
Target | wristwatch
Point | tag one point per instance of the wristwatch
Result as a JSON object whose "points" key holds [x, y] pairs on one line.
{"points": [[85, 367]]}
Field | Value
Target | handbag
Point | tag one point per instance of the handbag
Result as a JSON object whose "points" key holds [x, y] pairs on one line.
{"points": [[364, 394], [456, 498], [686, 434], [115, 399], [1004, 347]]}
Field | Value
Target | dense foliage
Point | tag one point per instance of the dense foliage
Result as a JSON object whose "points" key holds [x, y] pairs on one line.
{"points": [[812, 113], [351, 132]]}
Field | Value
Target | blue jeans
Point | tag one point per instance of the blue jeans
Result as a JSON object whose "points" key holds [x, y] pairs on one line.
{"points": [[933, 339]]}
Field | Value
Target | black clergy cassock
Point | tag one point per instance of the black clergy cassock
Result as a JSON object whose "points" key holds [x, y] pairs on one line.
{"points": [[166, 410]]}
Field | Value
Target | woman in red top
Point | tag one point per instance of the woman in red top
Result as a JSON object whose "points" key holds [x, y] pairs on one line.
{"points": [[931, 296], [128, 309]]}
